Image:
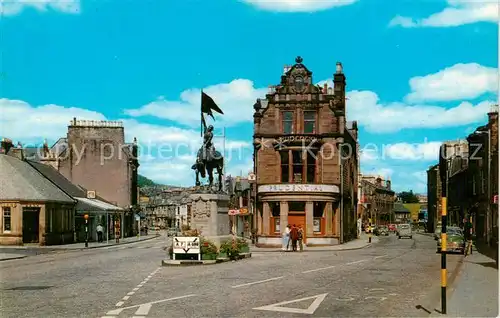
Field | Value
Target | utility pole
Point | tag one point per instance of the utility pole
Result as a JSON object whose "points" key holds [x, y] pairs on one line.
{"points": [[443, 170]]}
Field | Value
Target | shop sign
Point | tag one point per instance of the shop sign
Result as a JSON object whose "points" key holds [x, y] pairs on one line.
{"points": [[234, 212], [325, 188], [307, 139]]}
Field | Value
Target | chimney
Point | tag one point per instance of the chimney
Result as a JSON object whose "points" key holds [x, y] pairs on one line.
{"points": [[6, 145], [339, 83], [325, 88], [388, 184]]}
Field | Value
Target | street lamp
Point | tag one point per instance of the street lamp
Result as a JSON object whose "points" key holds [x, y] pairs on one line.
{"points": [[86, 217]]}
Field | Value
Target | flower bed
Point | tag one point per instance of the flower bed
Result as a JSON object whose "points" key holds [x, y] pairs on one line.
{"points": [[209, 250], [234, 247]]}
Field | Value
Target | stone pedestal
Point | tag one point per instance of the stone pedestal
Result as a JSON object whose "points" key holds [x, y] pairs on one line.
{"points": [[209, 213]]}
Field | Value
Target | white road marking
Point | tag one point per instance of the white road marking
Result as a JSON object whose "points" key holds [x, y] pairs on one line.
{"points": [[318, 299], [357, 262], [393, 294], [375, 289], [143, 309], [318, 269], [376, 297], [376, 257], [120, 303], [345, 299], [258, 282], [116, 312]]}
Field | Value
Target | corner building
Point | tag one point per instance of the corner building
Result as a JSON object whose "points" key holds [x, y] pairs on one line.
{"points": [[299, 131]]}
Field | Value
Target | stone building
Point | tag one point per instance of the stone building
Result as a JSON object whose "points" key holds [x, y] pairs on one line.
{"points": [[94, 154], [434, 195], [33, 209], [299, 130], [483, 178], [377, 200], [168, 208]]}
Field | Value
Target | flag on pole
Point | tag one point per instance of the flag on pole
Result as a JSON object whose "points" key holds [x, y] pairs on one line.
{"points": [[208, 104]]}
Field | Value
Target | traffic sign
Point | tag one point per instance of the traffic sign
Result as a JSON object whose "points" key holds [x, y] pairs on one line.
{"points": [[186, 244]]}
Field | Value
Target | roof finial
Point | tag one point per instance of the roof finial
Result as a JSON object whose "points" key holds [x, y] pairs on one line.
{"points": [[298, 60]]}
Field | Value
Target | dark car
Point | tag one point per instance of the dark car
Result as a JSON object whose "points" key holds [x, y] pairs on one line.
{"points": [[455, 241]]}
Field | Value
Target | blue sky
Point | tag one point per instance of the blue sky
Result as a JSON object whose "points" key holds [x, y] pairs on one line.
{"points": [[418, 72]]}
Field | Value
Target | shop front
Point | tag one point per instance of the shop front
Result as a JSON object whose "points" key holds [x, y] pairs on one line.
{"points": [[314, 207]]}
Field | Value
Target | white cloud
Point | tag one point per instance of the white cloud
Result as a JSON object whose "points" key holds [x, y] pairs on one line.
{"points": [[13, 7], [166, 152], [298, 5], [460, 81], [456, 82], [236, 100], [458, 12], [427, 151]]}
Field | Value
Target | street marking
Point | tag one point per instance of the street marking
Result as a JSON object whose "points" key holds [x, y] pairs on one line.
{"points": [[130, 294], [116, 312], [376, 257], [143, 309], [318, 299], [357, 262], [376, 297], [258, 282], [119, 304], [136, 289], [393, 294], [125, 297], [345, 299], [318, 269], [375, 289]]}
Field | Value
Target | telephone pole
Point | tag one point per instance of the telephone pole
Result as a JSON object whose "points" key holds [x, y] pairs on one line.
{"points": [[443, 171]]}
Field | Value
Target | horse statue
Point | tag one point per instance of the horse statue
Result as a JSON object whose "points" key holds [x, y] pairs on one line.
{"points": [[207, 166]]}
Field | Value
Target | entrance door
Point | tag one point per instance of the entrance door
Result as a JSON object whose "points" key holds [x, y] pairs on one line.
{"points": [[298, 220], [31, 225]]}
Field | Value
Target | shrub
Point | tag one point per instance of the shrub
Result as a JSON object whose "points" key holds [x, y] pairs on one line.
{"points": [[194, 232], [208, 247], [231, 248]]}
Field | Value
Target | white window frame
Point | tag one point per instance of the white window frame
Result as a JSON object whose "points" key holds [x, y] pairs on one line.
{"points": [[3, 219]]}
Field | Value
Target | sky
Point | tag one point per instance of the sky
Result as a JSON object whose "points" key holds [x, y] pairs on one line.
{"points": [[418, 73]]}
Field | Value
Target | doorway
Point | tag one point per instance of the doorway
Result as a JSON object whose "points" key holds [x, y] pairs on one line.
{"points": [[31, 225], [298, 220]]}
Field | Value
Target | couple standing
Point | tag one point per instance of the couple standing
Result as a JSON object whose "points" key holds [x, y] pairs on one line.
{"points": [[295, 235]]}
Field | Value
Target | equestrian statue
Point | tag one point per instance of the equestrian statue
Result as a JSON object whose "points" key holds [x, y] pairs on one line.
{"points": [[208, 158]]}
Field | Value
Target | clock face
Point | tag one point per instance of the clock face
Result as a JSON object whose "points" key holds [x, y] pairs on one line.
{"points": [[299, 84]]}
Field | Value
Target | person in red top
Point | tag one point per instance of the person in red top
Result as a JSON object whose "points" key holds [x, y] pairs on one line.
{"points": [[294, 236]]}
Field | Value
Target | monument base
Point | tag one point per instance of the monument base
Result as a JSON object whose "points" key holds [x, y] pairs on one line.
{"points": [[209, 214]]}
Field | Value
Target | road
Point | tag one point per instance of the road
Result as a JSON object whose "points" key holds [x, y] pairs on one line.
{"points": [[391, 278]]}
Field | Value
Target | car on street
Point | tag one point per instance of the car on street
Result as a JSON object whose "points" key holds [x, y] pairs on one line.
{"points": [[392, 227], [404, 230], [382, 230], [455, 241]]}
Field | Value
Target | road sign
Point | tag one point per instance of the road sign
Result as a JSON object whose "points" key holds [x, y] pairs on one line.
{"points": [[186, 244]]}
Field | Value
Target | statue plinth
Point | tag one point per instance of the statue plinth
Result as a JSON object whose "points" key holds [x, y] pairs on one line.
{"points": [[209, 213]]}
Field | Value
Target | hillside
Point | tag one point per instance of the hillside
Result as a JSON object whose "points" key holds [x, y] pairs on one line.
{"points": [[142, 181]]}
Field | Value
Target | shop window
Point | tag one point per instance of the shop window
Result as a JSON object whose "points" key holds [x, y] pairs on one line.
{"points": [[7, 220], [298, 166], [275, 209], [318, 209], [285, 167], [311, 167], [287, 122], [309, 122]]}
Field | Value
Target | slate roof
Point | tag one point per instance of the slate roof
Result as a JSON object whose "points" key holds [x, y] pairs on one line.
{"points": [[77, 192], [20, 181]]}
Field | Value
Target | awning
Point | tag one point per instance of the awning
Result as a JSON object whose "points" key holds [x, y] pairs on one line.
{"points": [[89, 205]]}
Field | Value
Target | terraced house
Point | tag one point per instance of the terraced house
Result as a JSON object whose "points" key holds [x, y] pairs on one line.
{"points": [[377, 200], [300, 130]]}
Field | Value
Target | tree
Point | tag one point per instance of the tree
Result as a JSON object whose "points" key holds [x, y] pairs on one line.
{"points": [[408, 197], [142, 181]]}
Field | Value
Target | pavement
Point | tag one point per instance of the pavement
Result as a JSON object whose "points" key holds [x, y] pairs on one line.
{"points": [[389, 278], [15, 251], [475, 292], [359, 243]]}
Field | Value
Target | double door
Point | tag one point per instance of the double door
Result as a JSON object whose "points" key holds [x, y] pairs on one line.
{"points": [[299, 219]]}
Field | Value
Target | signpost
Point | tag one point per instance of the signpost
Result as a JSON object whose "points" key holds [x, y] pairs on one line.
{"points": [[86, 217], [186, 245]]}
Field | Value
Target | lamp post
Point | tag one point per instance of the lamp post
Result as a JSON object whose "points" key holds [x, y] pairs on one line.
{"points": [[86, 217]]}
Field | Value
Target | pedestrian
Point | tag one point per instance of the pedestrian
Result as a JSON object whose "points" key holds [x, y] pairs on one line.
{"points": [[99, 230], [286, 238], [360, 222], [294, 236], [301, 238]]}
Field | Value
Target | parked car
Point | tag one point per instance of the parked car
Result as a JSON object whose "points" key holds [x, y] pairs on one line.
{"points": [[455, 240], [382, 230], [404, 230]]}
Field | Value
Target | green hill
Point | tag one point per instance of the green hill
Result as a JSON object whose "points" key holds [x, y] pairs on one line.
{"points": [[142, 181]]}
